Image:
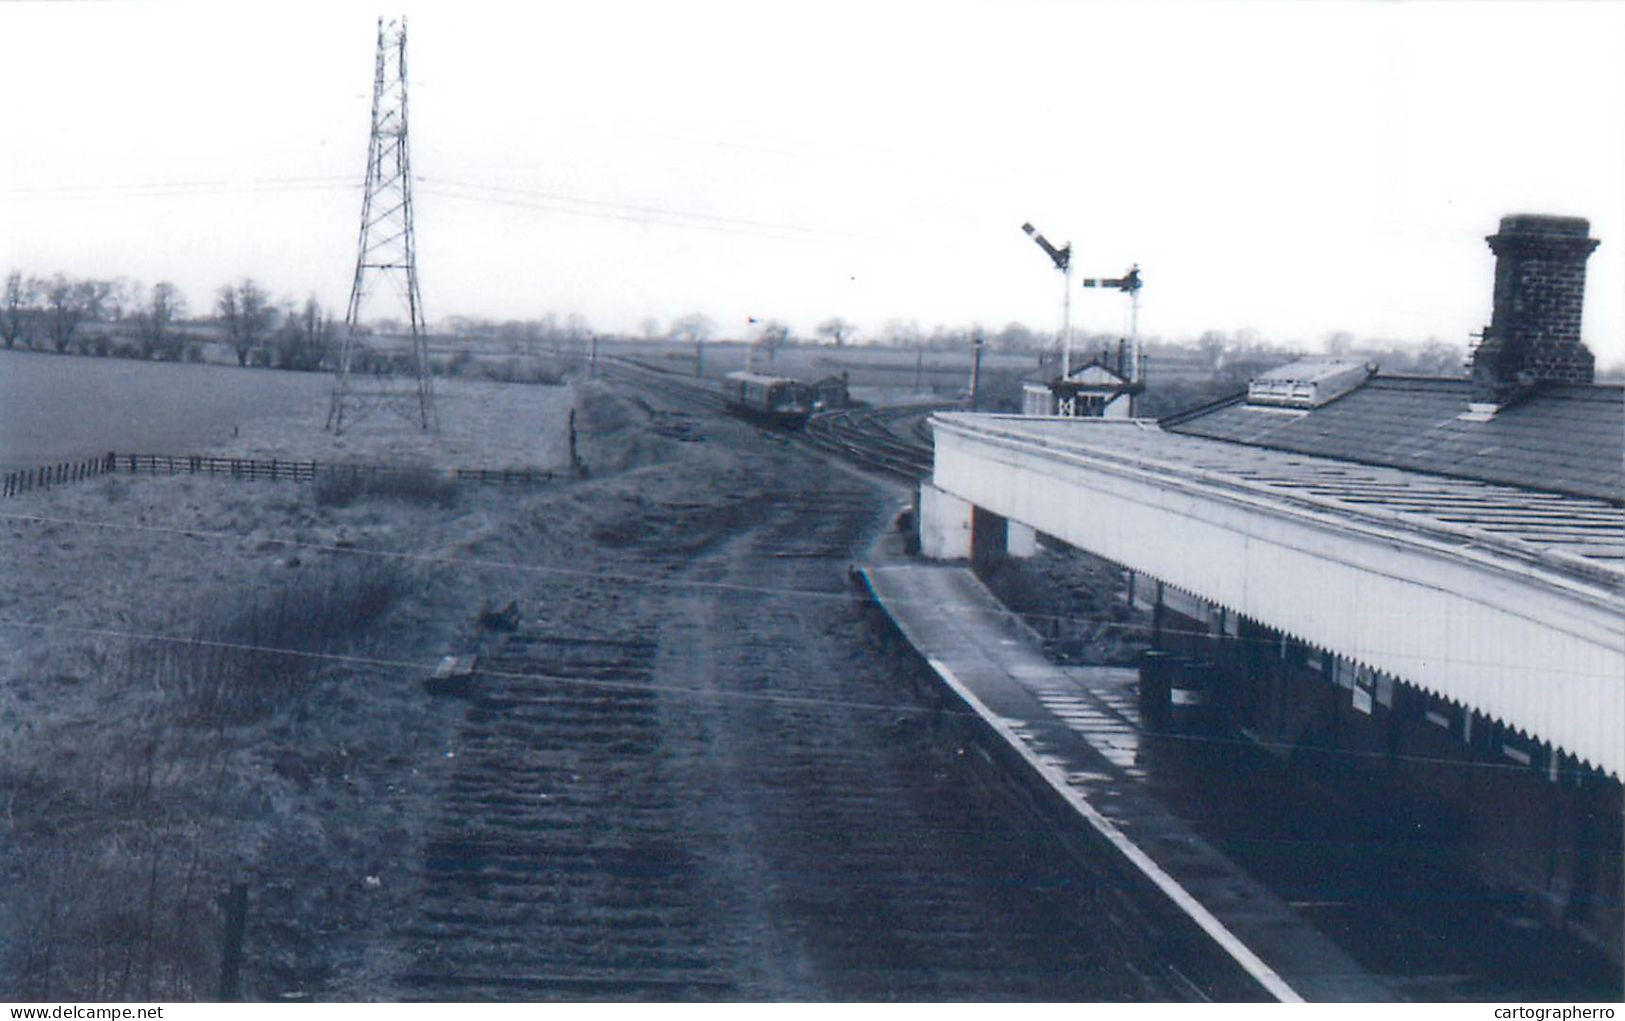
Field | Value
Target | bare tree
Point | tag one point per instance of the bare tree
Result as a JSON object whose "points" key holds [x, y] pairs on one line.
{"points": [[650, 327], [836, 329], [17, 310], [770, 336], [64, 310], [225, 310], [695, 326], [94, 296], [124, 297], [247, 314], [903, 333], [1437, 358], [575, 333], [303, 342], [1339, 344], [1015, 337], [1213, 344], [154, 324]]}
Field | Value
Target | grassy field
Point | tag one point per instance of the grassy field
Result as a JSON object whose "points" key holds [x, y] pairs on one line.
{"points": [[61, 407], [155, 744]]}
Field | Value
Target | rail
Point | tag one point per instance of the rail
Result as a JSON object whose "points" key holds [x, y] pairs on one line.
{"points": [[864, 435]]}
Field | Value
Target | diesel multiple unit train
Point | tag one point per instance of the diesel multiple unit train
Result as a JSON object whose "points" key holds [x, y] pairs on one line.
{"points": [[771, 399]]}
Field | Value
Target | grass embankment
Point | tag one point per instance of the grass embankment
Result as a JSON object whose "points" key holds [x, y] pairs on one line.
{"points": [[207, 683]]}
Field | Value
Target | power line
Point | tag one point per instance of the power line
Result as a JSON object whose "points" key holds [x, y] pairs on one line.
{"points": [[821, 702], [655, 581], [167, 189], [408, 664], [658, 216], [541, 201]]}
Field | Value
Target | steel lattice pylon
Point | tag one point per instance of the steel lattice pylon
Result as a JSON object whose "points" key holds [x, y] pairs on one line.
{"points": [[386, 253]]}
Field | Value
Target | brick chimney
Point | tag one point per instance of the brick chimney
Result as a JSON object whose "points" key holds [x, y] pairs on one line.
{"points": [[1534, 331]]}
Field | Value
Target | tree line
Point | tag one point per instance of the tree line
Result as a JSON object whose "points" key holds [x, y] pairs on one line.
{"points": [[120, 318]]}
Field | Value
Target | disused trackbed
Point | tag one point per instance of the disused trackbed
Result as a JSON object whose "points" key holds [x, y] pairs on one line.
{"points": [[557, 868], [605, 834]]}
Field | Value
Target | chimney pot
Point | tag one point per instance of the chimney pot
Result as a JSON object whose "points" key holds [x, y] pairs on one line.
{"points": [[1534, 331]]}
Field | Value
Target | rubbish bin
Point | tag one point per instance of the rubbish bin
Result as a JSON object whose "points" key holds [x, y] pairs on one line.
{"points": [[1156, 691]]}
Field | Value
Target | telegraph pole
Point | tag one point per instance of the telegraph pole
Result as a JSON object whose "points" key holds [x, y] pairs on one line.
{"points": [[975, 368], [387, 247], [1062, 257]]}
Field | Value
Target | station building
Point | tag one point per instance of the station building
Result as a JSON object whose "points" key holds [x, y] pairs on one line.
{"points": [[1413, 587]]}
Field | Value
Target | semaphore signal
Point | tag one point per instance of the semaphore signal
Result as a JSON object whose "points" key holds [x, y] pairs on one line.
{"points": [[1129, 283], [1062, 257]]}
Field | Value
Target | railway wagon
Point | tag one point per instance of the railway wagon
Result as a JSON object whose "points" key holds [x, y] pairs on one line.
{"points": [[772, 399]]}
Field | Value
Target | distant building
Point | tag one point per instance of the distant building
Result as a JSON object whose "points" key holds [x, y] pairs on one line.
{"points": [[1099, 388]]}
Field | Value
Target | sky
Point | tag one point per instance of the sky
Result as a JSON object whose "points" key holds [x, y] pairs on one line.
{"points": [[1287, 169]]}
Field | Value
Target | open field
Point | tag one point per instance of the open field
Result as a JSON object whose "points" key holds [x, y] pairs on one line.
{"points": [[60, 407]]}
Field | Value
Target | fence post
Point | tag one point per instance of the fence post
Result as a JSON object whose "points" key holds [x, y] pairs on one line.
{"points": [[231, 950]]}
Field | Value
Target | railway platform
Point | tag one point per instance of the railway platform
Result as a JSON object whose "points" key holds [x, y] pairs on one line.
{"points": [[1075, 731]]}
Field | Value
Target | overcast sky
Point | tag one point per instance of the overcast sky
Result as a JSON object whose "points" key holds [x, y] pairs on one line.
{"points": [[1290, 169]]}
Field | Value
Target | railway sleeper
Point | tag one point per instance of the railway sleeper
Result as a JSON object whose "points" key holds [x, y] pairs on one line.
{"points": [[615, 985]]}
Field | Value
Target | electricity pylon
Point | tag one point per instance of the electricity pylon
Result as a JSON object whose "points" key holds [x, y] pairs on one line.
{"points": [[386, 252]]}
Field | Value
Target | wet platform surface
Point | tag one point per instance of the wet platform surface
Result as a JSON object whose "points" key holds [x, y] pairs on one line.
{"points": [[1080, 727], [1336, 912]]}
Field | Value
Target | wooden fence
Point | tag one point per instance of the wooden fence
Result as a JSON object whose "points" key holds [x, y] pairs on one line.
{"points": [[51, 475], [275, 469]]}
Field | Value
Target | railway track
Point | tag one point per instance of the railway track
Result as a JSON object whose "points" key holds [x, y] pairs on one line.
{"points": [[873, 438], [867, 437]]}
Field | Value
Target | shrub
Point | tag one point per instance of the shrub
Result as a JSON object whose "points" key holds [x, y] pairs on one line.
{"points": [[340, 486], [267, 653]]}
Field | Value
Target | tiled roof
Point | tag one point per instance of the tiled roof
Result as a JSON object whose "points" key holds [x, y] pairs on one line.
{"points": [[1565, 438], [1574, 528]]}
